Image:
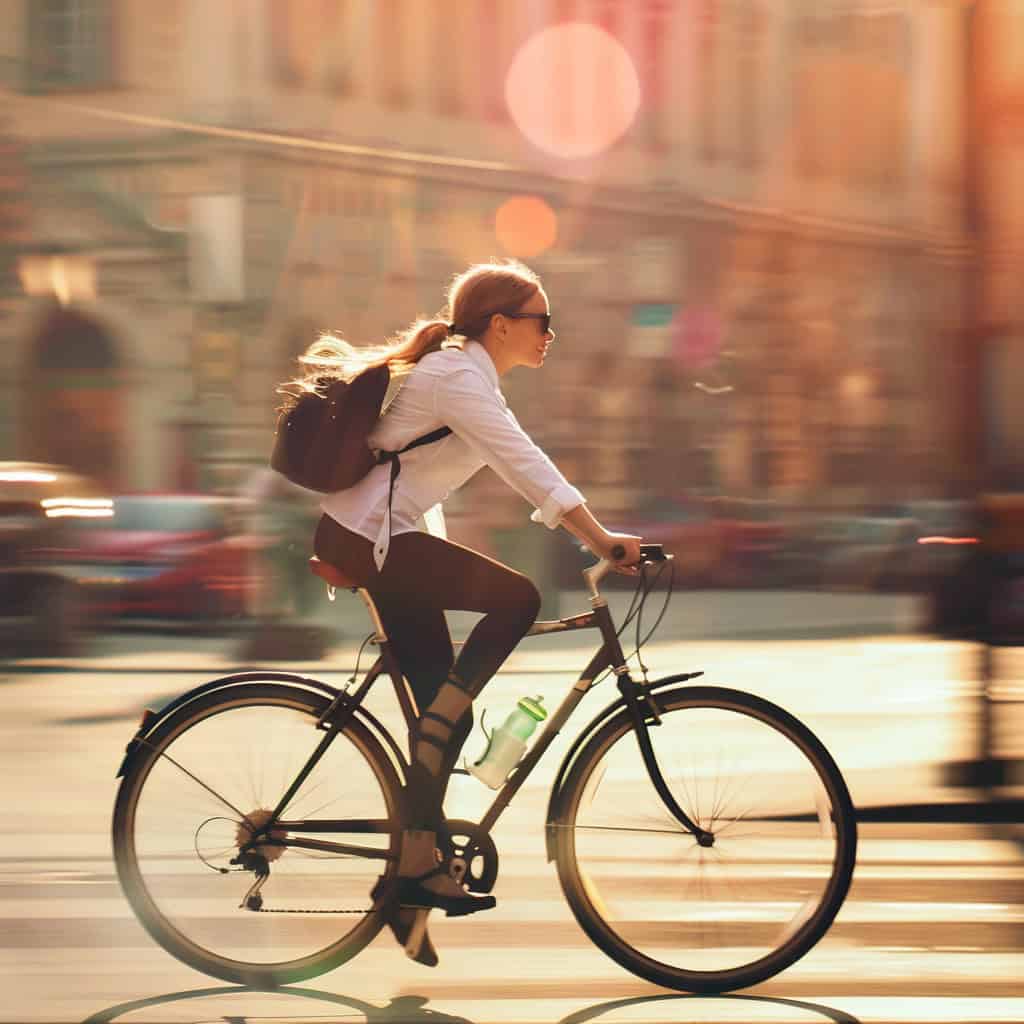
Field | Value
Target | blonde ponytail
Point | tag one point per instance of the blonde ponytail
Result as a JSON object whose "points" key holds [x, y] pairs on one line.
{"points": [[332, 358]]}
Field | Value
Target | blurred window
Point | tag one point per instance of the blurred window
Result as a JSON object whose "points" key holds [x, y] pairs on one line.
{"points": [[392, 27], [162, 515], [312, 43], [493, 58], [851, 94], [655, 36], [446, 24], [69, 44], [707, 34], [750, 28]]}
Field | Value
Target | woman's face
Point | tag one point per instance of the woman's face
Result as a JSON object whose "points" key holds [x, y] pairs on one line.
{"points": [[525, 339]]}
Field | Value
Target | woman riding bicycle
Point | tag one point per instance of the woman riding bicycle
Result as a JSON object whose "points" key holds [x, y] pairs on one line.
{"points": [[498, 317]]}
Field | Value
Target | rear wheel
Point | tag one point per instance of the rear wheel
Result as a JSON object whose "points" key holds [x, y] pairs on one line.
{"points": [[193, 795], [719, 917]]}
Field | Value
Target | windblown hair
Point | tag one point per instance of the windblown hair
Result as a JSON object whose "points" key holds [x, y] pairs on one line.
{"points": [[473, 297]]}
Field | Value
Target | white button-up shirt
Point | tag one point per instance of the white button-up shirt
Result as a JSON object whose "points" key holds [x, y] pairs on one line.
{"points": [[458, 389]]}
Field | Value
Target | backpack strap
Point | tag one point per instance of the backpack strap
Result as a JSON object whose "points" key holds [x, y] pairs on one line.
{"points": [[434, 435], [396, 464]]}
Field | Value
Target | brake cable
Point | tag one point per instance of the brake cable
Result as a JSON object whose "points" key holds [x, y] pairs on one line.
{"points": [[636, 611]]}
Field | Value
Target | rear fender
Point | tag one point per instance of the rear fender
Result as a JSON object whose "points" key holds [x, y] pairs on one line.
{"points": [[555, 800], [152, 720]]}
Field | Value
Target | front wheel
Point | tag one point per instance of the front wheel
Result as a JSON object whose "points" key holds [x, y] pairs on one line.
{"points": [[189, 802], [707, 918]]}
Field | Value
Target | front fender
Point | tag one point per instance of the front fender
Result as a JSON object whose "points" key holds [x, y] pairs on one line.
{"points": [[555, 799]]}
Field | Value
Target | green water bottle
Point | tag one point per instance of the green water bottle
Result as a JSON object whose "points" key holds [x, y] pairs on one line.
{"points": [[507, 744]]}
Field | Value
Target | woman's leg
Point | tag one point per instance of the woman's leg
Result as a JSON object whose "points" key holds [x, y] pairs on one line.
{"points": [[461, 580]]}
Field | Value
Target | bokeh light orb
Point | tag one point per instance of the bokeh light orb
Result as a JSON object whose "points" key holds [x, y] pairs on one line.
{"points": [[572, 90], [525, 226]]}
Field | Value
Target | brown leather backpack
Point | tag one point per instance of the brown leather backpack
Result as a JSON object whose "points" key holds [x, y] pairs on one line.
{"points": [[321, 437]]}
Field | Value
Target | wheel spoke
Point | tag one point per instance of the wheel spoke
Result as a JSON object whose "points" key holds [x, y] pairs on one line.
{"points": [[628, 828], [209, 789]]}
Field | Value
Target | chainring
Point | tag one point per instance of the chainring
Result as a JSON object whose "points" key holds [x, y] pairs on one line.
{"points": [[474, 847]]}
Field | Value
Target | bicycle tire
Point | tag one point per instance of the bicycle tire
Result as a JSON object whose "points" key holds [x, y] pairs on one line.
{"points": [[146, 888], [587, 899]]}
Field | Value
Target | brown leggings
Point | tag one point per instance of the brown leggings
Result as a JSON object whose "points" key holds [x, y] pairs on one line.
{"points": [[423, 576]]}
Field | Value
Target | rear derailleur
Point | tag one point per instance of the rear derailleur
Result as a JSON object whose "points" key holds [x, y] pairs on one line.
{"points": [[255, 862]]}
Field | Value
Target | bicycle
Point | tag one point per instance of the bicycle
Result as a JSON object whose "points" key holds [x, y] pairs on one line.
{"points": [[704, 838]]}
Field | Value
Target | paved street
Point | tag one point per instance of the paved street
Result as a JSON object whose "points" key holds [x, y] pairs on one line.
{"points": [[933, 929]]}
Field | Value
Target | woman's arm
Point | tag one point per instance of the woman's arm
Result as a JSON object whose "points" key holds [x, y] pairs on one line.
{"points": [[582, 524], [470, 406]]}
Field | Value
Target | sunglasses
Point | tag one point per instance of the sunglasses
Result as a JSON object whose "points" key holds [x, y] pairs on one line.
{"points": [[544, 318]]}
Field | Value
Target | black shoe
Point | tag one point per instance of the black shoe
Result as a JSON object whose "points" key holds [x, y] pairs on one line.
{"points": [[455, 903]]}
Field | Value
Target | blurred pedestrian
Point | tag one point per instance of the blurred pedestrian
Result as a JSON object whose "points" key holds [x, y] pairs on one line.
{"points": [[280, 517]]}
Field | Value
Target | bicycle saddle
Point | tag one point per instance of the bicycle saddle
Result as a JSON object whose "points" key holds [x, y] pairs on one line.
{"points": [[333, 576]]}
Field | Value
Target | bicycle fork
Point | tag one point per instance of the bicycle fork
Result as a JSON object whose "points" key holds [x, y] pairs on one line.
{"points": [[641, 705]]}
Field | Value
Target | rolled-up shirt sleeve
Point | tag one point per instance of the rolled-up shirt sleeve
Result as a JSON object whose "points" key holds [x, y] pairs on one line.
{"points": [[475, 412]]}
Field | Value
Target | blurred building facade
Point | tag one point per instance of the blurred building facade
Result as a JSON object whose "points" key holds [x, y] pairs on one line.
{"points": [[784, 222]]}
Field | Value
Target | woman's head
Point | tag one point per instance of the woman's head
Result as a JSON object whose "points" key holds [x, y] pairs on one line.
{"points": [[504, 307], [488, 288]]}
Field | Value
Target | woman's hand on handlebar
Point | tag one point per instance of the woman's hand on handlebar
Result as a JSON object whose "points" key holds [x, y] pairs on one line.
{"points": [[624, 550]]}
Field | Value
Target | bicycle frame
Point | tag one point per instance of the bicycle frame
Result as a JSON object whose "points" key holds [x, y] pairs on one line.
{"points": [[609, 655]]}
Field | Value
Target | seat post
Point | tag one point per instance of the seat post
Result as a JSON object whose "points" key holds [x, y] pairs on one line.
{"points": [[380, 636]]}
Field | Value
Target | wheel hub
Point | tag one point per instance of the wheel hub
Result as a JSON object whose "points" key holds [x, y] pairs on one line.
{"points": [[255, 822]]}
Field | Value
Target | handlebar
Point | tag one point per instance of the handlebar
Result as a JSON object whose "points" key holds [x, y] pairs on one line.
{"points": [[596, 573]]}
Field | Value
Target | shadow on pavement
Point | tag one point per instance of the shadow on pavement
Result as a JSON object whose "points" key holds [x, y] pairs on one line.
{"points": [[405, 1009], [408, 1009], [682, 1007]]}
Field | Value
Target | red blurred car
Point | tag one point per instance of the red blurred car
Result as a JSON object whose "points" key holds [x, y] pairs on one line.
{"points": [[687, 530], [753, 536], [176, 556]]}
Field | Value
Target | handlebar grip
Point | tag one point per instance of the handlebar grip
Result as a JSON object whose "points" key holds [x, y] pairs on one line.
{"points": [[648, 552]]}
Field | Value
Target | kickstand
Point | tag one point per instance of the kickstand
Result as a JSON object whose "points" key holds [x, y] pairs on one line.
{"points": [[416, 934]]}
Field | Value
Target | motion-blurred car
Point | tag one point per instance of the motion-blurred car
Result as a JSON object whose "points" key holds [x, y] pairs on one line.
{"points": [[752, 535], [809, 537], [870, 553], [942, 527], [43, 607], [170, 556]]}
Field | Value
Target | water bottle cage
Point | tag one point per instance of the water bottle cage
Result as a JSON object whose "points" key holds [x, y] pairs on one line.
{"points": [[489, 736]]}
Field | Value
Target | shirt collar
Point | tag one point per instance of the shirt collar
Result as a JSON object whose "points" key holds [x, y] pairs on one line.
{"points": [[482, 358]]}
